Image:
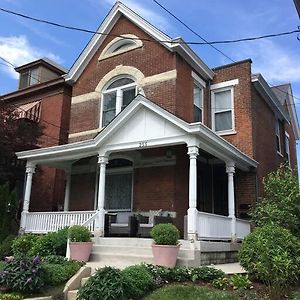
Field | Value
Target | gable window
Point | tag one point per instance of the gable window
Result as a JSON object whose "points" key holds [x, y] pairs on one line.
{"points": [[278, 142], [29, 77], [222, 110], [287, 148], [116, 97], [121, 44], [198, 103]]}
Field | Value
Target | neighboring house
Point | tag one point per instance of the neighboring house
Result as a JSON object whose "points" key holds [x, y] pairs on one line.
{"points": [[153, 127], [44, 97]]}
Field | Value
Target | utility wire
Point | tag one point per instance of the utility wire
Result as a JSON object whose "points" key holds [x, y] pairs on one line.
{"points": [[219, 42], [205, 42], [85, 90]]}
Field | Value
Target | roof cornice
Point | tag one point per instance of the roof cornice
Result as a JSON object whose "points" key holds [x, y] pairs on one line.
{"points": [[266, 92]]}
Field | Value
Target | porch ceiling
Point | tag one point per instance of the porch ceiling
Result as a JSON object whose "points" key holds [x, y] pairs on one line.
{"points": [[141, 125]]}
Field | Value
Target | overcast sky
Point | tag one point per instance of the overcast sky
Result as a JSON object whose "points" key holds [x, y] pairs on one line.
{"points": [[278, 59]]}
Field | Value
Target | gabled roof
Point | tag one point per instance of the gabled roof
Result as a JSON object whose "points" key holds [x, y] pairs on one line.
{"points": [[119, 9], [284, 94], [109, 136], [268, 94]]}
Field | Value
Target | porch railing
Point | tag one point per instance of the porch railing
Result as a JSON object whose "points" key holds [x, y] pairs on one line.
{"points": [[217, 227], [242, 228], [43, 222]]}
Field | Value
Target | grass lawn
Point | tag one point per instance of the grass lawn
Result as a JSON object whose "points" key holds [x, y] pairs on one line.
{"points": [[189, 292]]}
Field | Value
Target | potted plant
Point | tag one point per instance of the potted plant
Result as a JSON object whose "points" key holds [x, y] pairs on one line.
{"points": [[80, 243], [166, 247]]}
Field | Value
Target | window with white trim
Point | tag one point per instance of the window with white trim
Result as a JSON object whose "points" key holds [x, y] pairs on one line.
{"points": [[198, 103], [278, 142], [222, 110], [116, 97], [287, 148]]}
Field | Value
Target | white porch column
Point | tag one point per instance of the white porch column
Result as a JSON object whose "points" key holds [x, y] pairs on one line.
{"points": [[193, 152], [230, 170], [102, 161], [67, 190], [30, 169]]}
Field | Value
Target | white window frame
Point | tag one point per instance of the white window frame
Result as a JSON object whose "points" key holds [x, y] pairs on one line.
{"points": [[287, 147], [277, 134], [200, 86], [214, 91], [119, 95]]}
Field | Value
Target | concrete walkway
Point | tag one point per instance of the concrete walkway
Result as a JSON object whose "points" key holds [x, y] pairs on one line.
{"points": [[231, 268]]}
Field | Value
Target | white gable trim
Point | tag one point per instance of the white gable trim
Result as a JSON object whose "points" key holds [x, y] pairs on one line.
{"points": [[108, 23]]}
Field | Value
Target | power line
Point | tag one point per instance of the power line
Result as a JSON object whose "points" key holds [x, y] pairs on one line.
{"points": [[86, 90], [232, 41], [205, 42]]}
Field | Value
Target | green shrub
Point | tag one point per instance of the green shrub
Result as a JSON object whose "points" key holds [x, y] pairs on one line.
{"points": [[106, 284], [54, 259], [281, 205], [56, 274], [22, 244], [6, 246], [165, 234], [137, 281], [240, 282], [23, 274], [221, 283], [206, 274], [78, 233], [53, 243], [11, 297], [272, 255], [180, 274]]}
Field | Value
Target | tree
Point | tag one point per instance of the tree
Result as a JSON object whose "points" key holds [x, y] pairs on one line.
{"points": [[281, 204], [15, 135]]}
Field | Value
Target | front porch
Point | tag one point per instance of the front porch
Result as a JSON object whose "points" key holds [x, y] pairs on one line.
{"points": [[168, 159]]}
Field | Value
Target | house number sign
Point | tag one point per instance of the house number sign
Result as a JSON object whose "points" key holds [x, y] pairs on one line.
{"points": [[143, 144]]}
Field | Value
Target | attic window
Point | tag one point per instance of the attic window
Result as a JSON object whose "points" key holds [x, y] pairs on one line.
{"points": [[120, 45]]}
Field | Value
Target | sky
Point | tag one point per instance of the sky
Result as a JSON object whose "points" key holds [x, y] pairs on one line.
{"points": [[278, 59]]}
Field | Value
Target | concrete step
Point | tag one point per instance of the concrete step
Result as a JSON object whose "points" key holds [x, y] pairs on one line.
{"points": [[127, 258], [84, 280], [72, 295]]}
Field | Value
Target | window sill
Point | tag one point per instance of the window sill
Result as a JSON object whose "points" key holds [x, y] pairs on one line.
{"points": [[226, 133]]}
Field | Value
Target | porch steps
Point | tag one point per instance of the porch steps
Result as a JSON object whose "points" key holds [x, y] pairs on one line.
{"points": [[73, 294]]}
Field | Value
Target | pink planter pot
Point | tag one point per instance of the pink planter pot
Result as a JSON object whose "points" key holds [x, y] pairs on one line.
{"points": [[165, 255], [80, 250]]}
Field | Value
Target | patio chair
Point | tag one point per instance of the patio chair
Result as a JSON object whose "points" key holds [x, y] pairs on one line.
{"points": [[144, 226], [122, 224]]}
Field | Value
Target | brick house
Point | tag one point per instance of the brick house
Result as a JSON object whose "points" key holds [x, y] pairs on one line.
{"points": [[44, 98], [152, 127]]}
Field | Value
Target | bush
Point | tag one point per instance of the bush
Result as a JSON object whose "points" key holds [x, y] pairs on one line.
{"points": [[137, 281], [53, 243], [11, 297], [106, 284], [78, 233], [165, 234], [23, 275], [54, 259], [179, 274], [6, 246], [272, 255], [23, 244], [56, 274], [281, 205]]}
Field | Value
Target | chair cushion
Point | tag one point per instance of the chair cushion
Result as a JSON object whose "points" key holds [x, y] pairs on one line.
{"points": [[122, 217], [119, 225]]}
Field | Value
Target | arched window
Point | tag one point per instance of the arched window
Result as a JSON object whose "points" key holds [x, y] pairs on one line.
{"points": [[121, 44], [116, 97]]}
